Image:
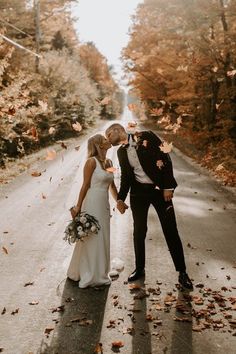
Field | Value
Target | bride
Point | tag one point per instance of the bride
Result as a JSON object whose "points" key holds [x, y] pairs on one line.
{"points": [[90, 263]]}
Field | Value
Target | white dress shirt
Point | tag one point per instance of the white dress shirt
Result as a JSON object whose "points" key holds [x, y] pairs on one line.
{"points": [[139, 173]]}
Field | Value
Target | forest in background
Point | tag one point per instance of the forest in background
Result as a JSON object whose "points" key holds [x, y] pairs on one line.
{"points": [[42, 99], [181, 64]]}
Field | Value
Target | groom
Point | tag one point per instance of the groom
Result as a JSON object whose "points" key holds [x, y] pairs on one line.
{"points": [[147, 172]]}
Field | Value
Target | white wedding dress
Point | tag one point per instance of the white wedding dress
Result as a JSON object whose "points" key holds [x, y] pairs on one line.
{"points": [[90, 262]]}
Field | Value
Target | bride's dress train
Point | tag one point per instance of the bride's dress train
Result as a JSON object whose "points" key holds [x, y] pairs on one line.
{"points": [[90, 262]]}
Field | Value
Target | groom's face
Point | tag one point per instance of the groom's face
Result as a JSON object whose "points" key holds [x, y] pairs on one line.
{"points": [[114, 137]]}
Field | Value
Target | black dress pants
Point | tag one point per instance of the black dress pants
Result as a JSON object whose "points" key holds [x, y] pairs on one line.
{"points": [[141, 197]]}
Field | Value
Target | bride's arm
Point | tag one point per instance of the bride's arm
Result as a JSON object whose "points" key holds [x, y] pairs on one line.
{"points": [[89, 167]]}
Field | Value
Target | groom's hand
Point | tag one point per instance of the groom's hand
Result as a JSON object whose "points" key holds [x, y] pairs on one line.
{"points": [[121, 206], [168, 194]]}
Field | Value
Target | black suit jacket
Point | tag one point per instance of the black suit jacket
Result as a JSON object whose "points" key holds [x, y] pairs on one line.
{"points": [[148, 156]]}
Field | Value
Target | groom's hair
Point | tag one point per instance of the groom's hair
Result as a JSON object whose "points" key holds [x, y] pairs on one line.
{"points": [[115, 126]]}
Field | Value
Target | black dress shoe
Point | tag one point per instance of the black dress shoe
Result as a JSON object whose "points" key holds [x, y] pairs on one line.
{"points": [[185, 281], [137, 274]]}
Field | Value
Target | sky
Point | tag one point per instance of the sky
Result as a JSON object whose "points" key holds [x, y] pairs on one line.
{"points": [[106, 23]]}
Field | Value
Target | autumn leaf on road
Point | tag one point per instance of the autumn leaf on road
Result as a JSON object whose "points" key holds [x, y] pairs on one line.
{"points": [[29, 283], [4, 249], [51, 154], [117, 344], [166, 147], [3, 311], [15, 311], [48, 330], [98, 349], [34, 303], [77, 126]]}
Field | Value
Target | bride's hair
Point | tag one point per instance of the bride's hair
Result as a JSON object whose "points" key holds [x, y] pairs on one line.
{"points": [[94, 143]]}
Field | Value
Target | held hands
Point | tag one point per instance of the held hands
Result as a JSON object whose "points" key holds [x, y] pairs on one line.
{"points": [[168, 194], [121, 206], [74, 211]]}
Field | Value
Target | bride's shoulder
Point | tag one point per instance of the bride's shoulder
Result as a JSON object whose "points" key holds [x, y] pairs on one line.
{"points": [[90, 162]]}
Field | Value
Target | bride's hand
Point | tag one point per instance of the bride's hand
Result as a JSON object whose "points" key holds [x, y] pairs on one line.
{"points": [[74, 211]]}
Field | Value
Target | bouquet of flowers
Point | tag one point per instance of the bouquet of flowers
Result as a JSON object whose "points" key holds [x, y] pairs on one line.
{"points": [[83, 225]]}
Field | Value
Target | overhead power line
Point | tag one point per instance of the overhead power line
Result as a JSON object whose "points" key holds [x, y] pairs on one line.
{"points": [[16, 28], [19, 46]]}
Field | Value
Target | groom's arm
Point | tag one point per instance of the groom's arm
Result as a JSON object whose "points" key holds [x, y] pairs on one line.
{"points": [[125, 175]]}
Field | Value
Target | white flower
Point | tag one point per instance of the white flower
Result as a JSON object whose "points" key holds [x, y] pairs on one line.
{"points": [[93, 228], [83, 219], [87, 224], [81, 233], [80, 228]]}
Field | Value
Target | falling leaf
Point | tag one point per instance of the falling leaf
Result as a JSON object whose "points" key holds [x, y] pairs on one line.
{"points": [[51, 130], [132, 107], [111, 169], [159, 164], [77, 126], [51, 154], [182, 68], [77, 147], [43, 196], [105, 101], [156, 112], [117, 344], [5, 232], [3, 311], [43, 105], [36, 174], [4, 249], [166, 147], [42, 269], [34, 303], [64, 146], [145, 143], [15, 311], [29, 283], [179, 120], [219, 167], [231, 73], [228, 277]]}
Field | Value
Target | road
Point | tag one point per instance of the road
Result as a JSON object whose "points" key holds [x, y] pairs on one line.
{"points": [[34, 260]]}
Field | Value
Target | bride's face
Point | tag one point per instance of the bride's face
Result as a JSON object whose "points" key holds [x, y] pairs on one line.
{"points": [[105, 144]]}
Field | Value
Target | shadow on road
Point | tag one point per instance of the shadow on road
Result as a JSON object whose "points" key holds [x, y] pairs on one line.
{"points": [[181, 341], [79, 327], [141, 339]]}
